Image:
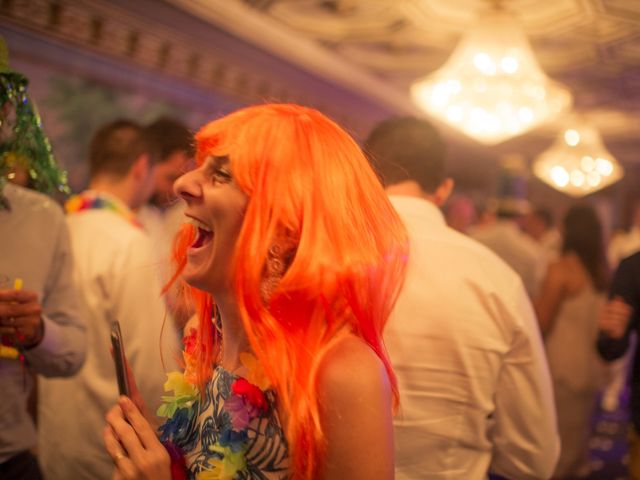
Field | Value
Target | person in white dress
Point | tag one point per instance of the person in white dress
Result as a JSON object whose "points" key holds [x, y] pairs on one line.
{"points": [[572, 296]]}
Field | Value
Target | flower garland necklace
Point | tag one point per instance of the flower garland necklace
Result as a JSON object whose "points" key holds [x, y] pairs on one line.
{"points": [[245, 402], [91, 200]]}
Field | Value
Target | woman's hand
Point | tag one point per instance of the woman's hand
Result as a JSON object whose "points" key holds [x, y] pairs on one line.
{"points": [[133, 445], [136, 397]]}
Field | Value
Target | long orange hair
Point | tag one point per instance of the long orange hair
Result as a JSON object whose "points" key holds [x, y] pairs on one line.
{"points": [[307, 182]]}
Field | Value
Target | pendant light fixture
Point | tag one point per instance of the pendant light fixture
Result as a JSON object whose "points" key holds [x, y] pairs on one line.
{"points": [[578, 163], [492, 87]]}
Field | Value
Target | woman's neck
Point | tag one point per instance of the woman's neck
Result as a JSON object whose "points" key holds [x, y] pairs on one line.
{"points": [[234, 336]]}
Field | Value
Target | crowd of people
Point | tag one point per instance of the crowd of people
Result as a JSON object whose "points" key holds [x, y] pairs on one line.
{"points": [[294, 304]]}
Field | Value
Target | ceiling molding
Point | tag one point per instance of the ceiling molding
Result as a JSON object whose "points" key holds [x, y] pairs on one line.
{"points": [[248, 24]]}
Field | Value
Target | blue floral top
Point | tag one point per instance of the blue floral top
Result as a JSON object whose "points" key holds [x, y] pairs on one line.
{"points": [[233, 432]]}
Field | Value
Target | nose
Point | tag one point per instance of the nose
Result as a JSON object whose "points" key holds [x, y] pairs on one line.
{"points": [[188, 186]]}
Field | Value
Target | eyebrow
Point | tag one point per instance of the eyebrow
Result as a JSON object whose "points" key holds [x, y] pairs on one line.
{"points": [[220, 160]]}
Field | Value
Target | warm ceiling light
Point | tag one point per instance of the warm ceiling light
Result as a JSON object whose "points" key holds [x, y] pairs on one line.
{"points": [[492, 87], [578, 163]]}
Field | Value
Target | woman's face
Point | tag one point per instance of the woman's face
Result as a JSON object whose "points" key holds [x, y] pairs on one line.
{"points": [[216, 206]]}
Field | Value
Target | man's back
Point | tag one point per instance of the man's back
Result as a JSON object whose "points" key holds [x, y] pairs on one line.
{"points": [[474, 384], [116, 275]]}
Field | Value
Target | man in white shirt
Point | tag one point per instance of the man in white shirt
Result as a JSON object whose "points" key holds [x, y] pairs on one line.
{"points": [[115, 272], [504, 236], [514, 247], [163, 215], [475, 391]]}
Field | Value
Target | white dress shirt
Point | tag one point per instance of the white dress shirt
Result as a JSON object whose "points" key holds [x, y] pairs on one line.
{"points": [[116, 277], [475, 392], [517, 249]]}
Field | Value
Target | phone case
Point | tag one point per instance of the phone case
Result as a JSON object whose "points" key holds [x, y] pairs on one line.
{"points": [[119, 358]]}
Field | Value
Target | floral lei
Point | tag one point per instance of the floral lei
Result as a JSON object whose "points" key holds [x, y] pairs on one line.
{"points": [[246, 402], [91, 200]]}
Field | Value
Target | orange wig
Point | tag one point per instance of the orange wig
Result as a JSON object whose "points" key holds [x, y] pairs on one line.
{"points": [[310, 186]]}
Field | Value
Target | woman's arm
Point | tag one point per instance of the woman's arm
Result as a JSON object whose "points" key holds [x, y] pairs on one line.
{"points": [[551, 296], [356, 413]]}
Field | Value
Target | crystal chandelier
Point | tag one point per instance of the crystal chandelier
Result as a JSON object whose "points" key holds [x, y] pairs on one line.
{"points": [[492, 87], [578, 163]]}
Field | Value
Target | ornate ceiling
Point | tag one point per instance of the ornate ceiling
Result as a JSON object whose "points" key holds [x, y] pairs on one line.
{"points": [[591, 45]]}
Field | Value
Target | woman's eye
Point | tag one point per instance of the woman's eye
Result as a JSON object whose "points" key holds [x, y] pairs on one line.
{"points": [[221, 175]]}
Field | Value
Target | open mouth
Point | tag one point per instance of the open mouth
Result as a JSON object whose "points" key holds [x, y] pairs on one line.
{"points": [[203, 234]]}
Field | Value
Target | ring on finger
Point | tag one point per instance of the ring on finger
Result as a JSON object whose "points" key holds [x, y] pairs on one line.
{"points": [[119, 455]]}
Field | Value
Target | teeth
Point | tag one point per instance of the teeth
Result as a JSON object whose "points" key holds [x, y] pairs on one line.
{"points": [[198, 224]]}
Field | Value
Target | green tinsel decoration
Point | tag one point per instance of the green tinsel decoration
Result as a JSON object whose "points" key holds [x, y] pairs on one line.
{"points": [[23, 143]]}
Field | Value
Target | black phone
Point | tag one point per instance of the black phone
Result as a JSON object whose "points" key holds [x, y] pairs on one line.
{"points": [[119, 358]]}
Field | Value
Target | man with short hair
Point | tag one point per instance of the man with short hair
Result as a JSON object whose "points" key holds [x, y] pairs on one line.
{"points": [[115, 270], [175, 145], [463, 338], [163, 215]]}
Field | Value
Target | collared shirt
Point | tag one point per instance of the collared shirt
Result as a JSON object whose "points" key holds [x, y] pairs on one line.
{"points": [[475, 391], [34, 246], [116, 275], [519, 251]]}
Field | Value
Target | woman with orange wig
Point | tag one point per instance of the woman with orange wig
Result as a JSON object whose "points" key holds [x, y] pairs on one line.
{"points": [[294, 257]]}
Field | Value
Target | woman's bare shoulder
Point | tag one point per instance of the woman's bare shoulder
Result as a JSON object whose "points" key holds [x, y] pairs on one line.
{"points": [[560, 269], [349, 368], [355, 405]]}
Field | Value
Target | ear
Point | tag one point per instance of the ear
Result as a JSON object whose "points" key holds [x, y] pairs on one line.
{"points": [[443, 192], [140, 168]]}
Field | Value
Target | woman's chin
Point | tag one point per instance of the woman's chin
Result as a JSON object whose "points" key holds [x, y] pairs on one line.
{"points": [[193, 279], [204, 281]]}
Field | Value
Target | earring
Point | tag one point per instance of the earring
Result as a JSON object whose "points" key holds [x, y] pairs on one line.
{"points": [[279, 257], [275, 262]]}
